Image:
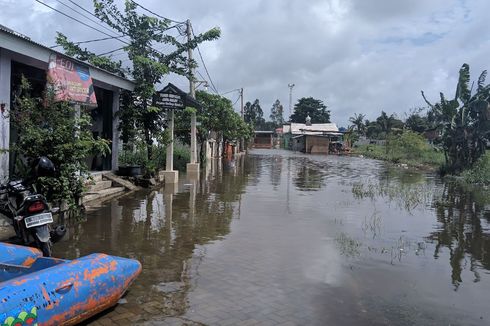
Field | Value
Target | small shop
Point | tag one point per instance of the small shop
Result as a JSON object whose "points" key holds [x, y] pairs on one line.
{"points": [[88, 87]]}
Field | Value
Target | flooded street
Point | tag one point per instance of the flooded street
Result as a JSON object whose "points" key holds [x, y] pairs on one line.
{"points": [[281, 238]]}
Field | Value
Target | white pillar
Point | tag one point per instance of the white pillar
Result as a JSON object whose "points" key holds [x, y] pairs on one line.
{"points": [[193, 139], [169, 166], [5, 90], [171, 176]]}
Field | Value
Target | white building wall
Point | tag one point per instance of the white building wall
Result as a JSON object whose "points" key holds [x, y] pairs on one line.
{"points": [[5, 76]]}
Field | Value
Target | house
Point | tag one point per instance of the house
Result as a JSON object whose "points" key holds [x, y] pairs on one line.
{"points": [[263, 139], [312, 138], [20, 56]]}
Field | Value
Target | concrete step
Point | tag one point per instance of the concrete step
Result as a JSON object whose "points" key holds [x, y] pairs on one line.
{"points": [[96, 176], [102, 194], [99, 185]]}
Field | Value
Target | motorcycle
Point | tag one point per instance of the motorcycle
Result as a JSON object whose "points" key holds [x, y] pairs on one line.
{"points": [[29, 211]]}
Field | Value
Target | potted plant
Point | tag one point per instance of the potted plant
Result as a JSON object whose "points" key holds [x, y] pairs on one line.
{"points": [[132, 161]]}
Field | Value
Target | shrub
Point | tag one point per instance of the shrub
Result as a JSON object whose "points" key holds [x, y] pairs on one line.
{"points": [[50, 128]]}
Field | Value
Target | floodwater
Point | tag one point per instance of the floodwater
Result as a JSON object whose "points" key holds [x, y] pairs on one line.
{"points": [[281, 238]]}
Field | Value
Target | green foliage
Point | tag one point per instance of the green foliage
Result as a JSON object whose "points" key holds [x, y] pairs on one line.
{"points": [[138, 112], [182, 156], [74, 50], [216, 114], [253, 114], [276, 115], [407, 147], [314, 108], [383, 125], [358, 122], [464, 122], [480, 172], [52, 129]]}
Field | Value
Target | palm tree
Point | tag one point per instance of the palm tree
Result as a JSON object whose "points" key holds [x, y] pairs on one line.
{"points": [[357, 121]]}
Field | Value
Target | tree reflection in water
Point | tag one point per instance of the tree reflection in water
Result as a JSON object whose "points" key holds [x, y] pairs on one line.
{"points": [[464, 219], [165, 230]]}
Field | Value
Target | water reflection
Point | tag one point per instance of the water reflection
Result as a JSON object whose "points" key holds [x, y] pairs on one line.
{"points": [[162, 229], [320, 239], [464, 219]]}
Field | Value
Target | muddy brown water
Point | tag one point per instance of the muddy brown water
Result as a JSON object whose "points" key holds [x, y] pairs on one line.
{"points": [[277, 237]]}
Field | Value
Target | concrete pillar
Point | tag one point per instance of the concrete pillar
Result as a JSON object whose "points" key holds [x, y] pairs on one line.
{"points": [[171, 176], [5, 91], [193, 166], [116, 146]]}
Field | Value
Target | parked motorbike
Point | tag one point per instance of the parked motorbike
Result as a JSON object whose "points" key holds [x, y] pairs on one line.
{"points": [[29, 211]]}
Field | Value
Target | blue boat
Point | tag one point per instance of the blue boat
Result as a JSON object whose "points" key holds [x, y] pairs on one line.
{"points": [[36, 290]]}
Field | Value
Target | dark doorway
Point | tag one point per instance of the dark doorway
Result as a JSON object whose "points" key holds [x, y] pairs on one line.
{"points": [[102, 118], [37, 80]]}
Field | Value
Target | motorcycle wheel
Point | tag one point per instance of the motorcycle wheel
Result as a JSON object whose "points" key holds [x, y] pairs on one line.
{"points": [[45, 247]]}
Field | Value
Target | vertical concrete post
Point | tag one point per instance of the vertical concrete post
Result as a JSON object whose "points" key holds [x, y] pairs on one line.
{"points": [[171, 176], [5, 90], [169, 166], [115, 133]]}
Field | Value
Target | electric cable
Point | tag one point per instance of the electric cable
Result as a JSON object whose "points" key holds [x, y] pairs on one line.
{"points": [[85, 16], [154, 13], [204, 65]]}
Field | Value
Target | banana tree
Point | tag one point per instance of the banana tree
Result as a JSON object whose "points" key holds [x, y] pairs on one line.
{"points": [[464, 121]]}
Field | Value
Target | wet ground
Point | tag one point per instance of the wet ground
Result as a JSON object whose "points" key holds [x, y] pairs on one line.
{"points": [[278, 238]]}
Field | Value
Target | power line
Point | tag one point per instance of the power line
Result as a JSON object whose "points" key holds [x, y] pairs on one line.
{"points": [[204, 65], [83, 15], [90, 41], [236, 100], [109, 52], [79, 21], [233, 90], [154, 13]]}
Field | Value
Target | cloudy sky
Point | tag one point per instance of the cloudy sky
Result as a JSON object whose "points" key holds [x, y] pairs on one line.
{"points": [[357, 56]]}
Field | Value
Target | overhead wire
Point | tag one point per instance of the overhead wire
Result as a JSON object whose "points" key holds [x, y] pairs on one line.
{"points": [[85, 16], [109, 52], [154, 13], [89, 41], [204, 65], [79, 21]]}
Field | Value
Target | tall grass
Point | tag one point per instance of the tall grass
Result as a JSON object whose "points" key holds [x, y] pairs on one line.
{"points": [[480, 172], [407, 147]]}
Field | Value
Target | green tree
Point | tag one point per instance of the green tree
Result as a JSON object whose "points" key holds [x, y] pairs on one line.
{"points": [[464, 121], [276, 115], [148, 64], [308, 106], [417, 122], [358, 121], [253, 114], [216, 114]]}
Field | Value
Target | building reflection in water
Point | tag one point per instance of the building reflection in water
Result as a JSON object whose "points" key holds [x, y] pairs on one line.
{"points": [[162, 229]]}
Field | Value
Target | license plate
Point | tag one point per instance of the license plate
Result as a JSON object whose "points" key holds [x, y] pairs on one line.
{"points": [[39, 219]]}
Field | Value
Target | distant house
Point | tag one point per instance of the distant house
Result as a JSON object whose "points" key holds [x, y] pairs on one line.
{"points": [[263, 139], [313, 138]]}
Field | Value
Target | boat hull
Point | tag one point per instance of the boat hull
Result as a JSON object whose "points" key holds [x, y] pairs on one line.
{"points": [[67, 292]]}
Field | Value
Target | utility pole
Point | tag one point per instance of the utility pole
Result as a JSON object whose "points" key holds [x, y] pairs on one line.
{"points": [[241, 101], [193, 166], [290, 99], [242, 141]]}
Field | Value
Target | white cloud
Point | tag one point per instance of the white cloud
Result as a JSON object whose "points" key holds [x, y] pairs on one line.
{"points": [[355, 55]]}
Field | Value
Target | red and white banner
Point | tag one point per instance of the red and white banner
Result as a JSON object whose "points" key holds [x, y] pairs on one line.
{"points": [[71, 81]]}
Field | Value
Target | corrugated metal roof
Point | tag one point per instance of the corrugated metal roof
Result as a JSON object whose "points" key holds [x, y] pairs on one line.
{"points": [[313, 129]]}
